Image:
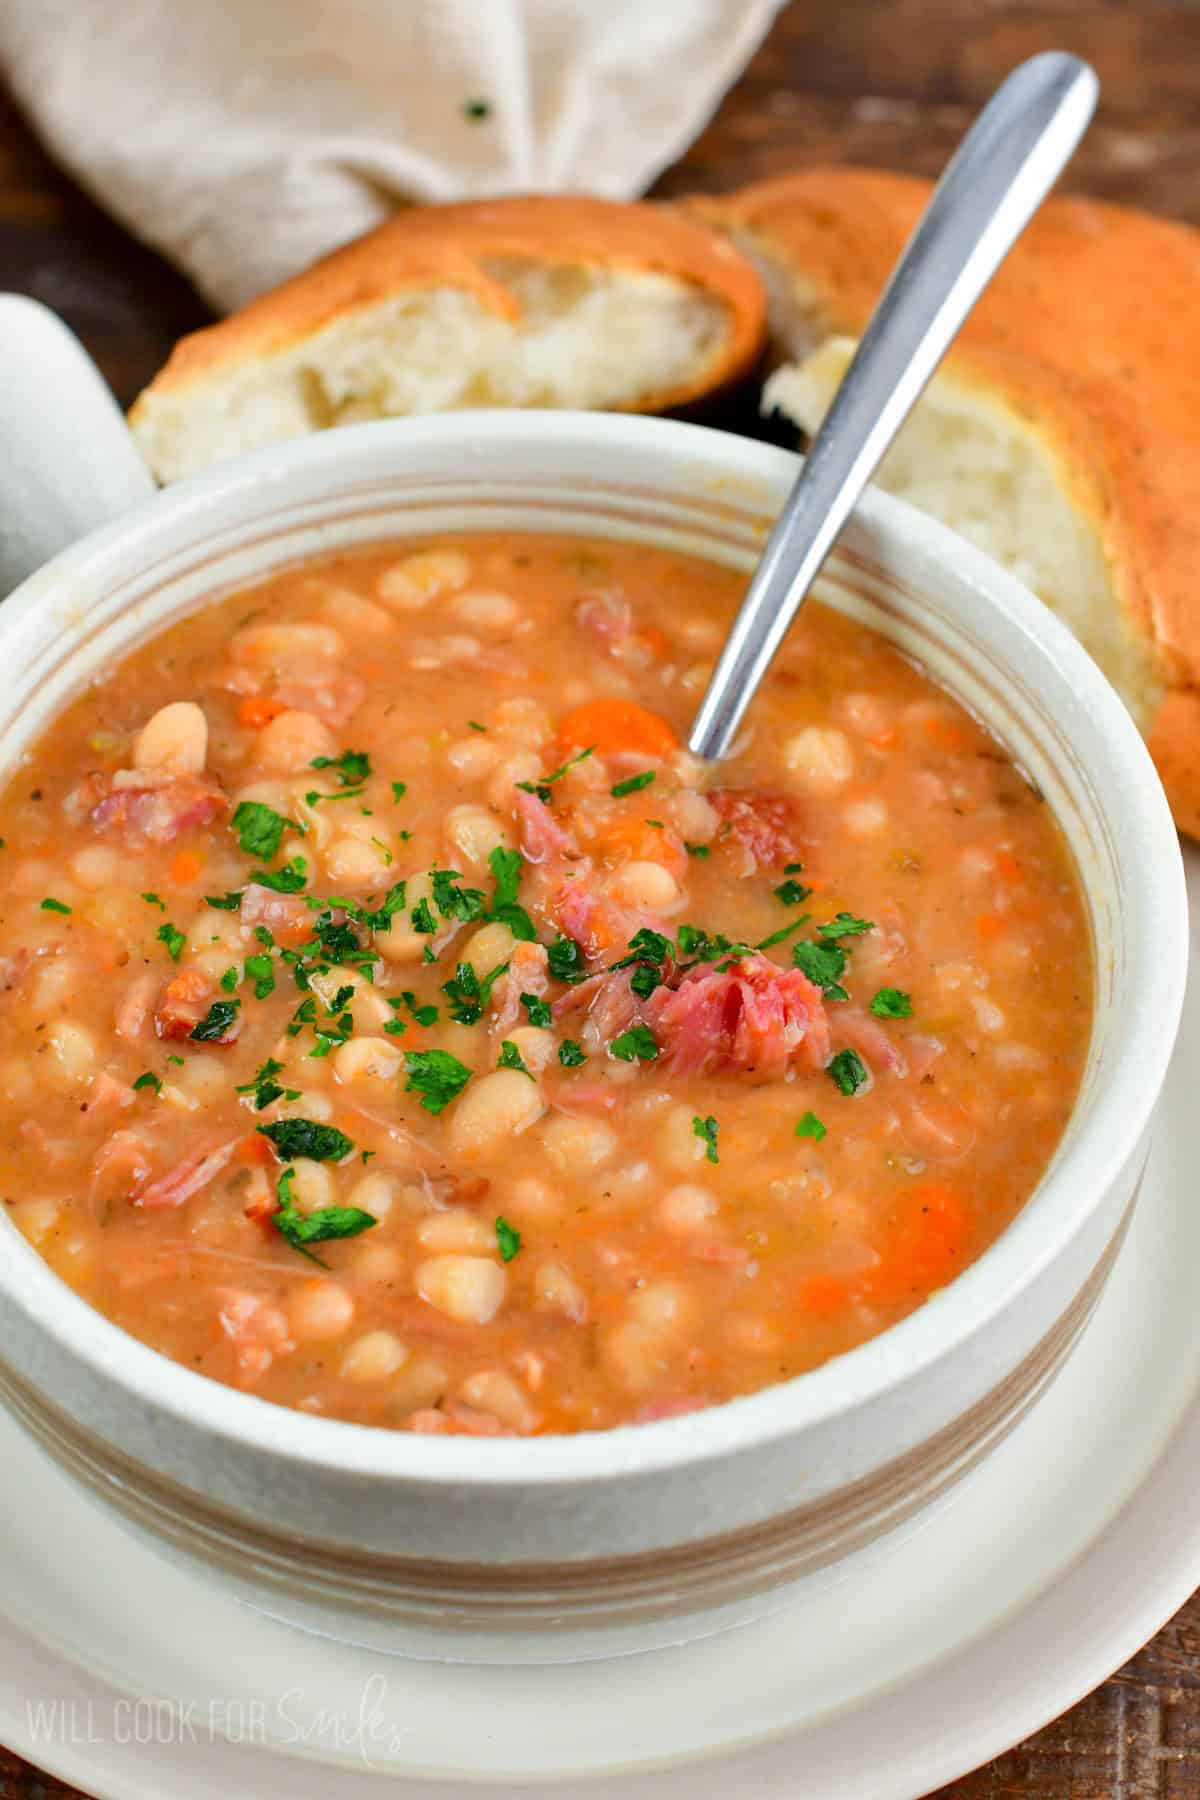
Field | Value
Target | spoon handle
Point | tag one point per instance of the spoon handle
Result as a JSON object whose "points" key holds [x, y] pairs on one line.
{"points": [[999, 176]]}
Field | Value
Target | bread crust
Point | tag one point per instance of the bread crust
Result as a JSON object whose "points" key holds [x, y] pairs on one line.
{"points": [[1084, 332], [449, 246]]}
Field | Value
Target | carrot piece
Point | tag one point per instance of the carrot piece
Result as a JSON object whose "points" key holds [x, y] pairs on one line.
{"points": [[609, 725], [633, 838], [1007, 866], [253, 1149], [945, 734], [187, 867], [990, 925], [926, 1248], [824, 1295], [257, 710]]}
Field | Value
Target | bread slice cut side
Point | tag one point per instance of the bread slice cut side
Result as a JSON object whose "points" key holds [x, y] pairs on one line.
{"points": [[540, 301], [974, 462]]}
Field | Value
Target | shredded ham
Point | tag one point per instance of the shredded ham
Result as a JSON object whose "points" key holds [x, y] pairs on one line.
{"points": [[857, 1030], [135, 1006], [527, 974], [145, 808], [257, 1330], [120, 1164], [184, 1001], [543, 839], [280, 913], [187, 1178], [582, 1096], [752, 1015], [332, 694], [759, 826], [106, 1097], [605, 617]]}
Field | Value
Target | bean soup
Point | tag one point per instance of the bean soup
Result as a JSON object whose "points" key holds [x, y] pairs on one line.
{"points": [[399, 1023]]}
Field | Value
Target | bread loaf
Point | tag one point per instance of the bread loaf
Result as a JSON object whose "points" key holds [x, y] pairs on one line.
{"points": [[1062, 433]]}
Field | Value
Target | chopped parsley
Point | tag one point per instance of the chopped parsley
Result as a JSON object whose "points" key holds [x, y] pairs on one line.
{"points": [[422, 918], [508, 1240], [309, 1138], [58, 906], [264, 1086], [644, 980], [824, 964], [422, 1015], [173, 938], [571, 1054], [351, 768], [506, 871], [456, 902], [476, 111], [147, 1081], [538, 1010], [892, 1003], [795, 868], [542, 788], [809, 1126], [633, 784], [784, 932], [229, 980], [155, 900], [437, 1076], [695, 849], [259, 828], [708, 1130], [475, 725], [792, 893], [260, 969], [467, 995], [510, 1058], [301, 1229], [288, 880], [637, 1042], [848, 1072], [217, 1022], [565, 960], [399, 789], [224, 902], [844, 924]]}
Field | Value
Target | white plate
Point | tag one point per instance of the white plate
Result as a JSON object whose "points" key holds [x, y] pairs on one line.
{"points": [[1019, 1593]]}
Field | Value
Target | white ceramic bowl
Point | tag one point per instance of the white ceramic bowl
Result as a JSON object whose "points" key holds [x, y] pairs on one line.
{"points": [[603, 1541]]}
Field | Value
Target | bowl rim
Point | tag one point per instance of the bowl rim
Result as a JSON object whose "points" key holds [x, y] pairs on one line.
{"points": [[1131, 802]]}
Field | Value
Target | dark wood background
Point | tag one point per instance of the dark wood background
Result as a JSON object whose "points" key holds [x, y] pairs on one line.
{"points": [[890, 82]]}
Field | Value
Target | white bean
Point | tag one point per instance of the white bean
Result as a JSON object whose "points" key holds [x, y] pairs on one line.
{"points": [[492, 1391], [373, 1357], [351, 863], [491, 1111], [557, 1291], [312, 1185], [319, 1311], [457, 1229], [576, 1146], [687, 1208], [174, 738], [273, 644], [484, 610], [73, 1053], [367, 1059], [374, 1193], [820, 758], [522, 765], [474, 833], [472, 758], [416, 580], [536, 1046], [293, 741], [467, 1288], [645, 885], [96, 865]]}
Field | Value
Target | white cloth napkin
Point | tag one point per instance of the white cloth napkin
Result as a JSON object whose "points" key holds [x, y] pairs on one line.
{"points": [[244, 138]]}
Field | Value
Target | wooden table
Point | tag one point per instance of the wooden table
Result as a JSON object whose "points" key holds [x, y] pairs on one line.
{"points": [[891, 82]]}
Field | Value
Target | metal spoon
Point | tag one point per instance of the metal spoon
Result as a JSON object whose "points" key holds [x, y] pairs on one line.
{"points": [[999, 176]]}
